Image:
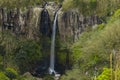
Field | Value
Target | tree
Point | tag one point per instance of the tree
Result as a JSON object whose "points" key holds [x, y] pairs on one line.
{"points": [[8, 44], [27, 55], [10, 4], [88, 7]]}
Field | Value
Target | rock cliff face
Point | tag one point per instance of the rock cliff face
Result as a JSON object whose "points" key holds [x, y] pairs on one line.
{"points": [[22, 23], [72, 24], [29, 23]]}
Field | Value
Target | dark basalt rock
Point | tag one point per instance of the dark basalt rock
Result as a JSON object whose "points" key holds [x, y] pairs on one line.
{"points": [[45, 23], [38, 21], [72, 24]]}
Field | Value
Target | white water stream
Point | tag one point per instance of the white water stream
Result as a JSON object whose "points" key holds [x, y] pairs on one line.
{"points": [[52, 53]]}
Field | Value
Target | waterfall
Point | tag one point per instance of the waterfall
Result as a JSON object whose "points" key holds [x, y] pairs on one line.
{"points": [[52, 53]]}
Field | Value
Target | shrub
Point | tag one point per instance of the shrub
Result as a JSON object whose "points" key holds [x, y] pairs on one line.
{"points": [[27, 54], [115, 16], [117, 72], [97, 44], [105, 75], [74, 74], [26, 76], [48, 77], [101, 26], [69, 4], [93, 48], [11, 73], [3, 76]]}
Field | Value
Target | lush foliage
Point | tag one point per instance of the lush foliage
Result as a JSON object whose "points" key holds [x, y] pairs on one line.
{"points": [[101, 7], [106, 74], [16, 52], [92, 51], [74, 74], [28, 52], [48, 77], [22, 3], [11, 73], [115, 16], [3, 76], [109, 74], [86, 58]]}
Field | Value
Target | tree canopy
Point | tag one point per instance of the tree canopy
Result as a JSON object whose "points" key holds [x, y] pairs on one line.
{"points": [[23, 3], [101, 7]]}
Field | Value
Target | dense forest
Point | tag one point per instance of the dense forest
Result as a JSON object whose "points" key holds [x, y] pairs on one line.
{"points": [[85, 36]]}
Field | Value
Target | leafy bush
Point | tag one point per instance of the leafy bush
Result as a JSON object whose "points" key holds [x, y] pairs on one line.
{"points": [[48, 77], [62, 58], [68, 6], [27, 54], [11, 73], [115, 16], [88, 7], [26, 76], [117, 74], [23, 3], [74, 74], [94, 47], [101, 26], [105, 75], [3, 76]]}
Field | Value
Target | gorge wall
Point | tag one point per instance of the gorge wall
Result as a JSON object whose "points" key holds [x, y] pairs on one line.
{"points": [[35, 23], [28, 22]]}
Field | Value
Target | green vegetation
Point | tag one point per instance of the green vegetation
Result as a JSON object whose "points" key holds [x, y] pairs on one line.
{"points": [[105, 75], [17, 54], [9, 4], [28, 52], [48, 77], [95, 56], [89, 7], [11, 73], [3, 76], [93, 52]]}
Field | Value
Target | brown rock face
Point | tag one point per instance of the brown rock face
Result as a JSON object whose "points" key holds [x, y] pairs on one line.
{"points": [[22, 23], [27, 23], [71, 24]]}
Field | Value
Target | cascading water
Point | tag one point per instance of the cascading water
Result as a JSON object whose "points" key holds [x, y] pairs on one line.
{"points": [[52, 55]]}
